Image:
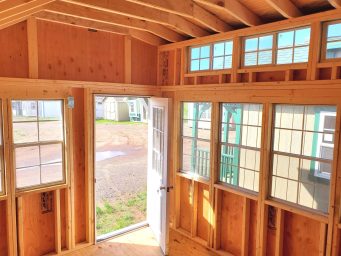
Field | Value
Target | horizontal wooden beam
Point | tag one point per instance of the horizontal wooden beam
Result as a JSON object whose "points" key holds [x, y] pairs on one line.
{"points": [[17, 11], [110, 18], [335, 3], [187, 9], [89, 24], [125, 8], [285, 7], [235, 9]]}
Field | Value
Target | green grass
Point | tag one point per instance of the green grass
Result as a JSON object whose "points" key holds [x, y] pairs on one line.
{"points": [[106, 121], [111, 217]]}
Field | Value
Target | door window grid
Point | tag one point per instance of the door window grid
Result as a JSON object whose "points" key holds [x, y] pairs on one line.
{"points": [[293, 46], [240, 145], [38, 136], [295, 158], [333, 41], [195, 138], [158, 139]]}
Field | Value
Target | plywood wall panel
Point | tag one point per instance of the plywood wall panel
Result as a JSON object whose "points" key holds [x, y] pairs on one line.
{"points": [[79, 165], [3, 229], [143, 63], [72, 53], [185, 204], [301, 235], [14, 51], [38, 227], [231, 223], [203, 211]]}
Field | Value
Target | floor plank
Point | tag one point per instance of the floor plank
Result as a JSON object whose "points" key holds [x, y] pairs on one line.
{"points": [[137, 243]]}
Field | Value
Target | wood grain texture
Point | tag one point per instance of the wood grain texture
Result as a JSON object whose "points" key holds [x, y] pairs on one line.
{"points": [[72, 53], [185, 204], [253, 228], [203, 211], [14, 51], [143, 63], [3, 229]]}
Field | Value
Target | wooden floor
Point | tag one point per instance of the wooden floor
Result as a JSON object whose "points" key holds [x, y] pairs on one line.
{"points": [[138, 243]]}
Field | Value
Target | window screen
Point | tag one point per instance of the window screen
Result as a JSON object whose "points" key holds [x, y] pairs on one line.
{"points": [[302, 157], [240, 141], [196, 133], [333, 45], [38, 134]]}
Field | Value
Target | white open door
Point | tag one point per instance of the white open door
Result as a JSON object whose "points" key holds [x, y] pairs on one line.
{"points": [[157, 185]]}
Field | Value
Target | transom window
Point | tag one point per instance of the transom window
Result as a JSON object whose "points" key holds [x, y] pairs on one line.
{"points": [[38, 134], [293, 46], [333, 41], [211, 57], [196, 134], [302, 156], [240, 141], [258, 50]]}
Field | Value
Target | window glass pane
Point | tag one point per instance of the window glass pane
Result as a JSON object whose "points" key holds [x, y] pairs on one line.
{"points": [[205, 52], [228, 62], [218, 63], [52, 153], [195, 53], [303, 148], [250, 59], [240, 145], [265, 42], [302, 36], [284, 56], [334, 32], [25, 132], [333, 50], [228, 48], [51, 173], [194, 65], [27, 156], [27, 177], [301, 54], [24, 110], [285, 39], [204, 64], [50, 110], [196, 133], [218, 49], [264, 57], [51, 131], [251, 44]]}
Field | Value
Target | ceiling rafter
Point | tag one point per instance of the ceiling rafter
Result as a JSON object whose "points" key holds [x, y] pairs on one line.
{"points": [[285, 7], [126, 8], [335, 3], [79, 22], [187, 9], [235, 9], [20, 11], [110, 18]]}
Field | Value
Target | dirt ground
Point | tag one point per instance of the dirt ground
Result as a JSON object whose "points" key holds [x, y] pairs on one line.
{"points": [[121, 160]]}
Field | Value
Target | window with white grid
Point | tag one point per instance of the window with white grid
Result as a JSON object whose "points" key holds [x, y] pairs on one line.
{"points": [[302, 154], [222, 55], [293, 46], [38, 137], [240, 139], [195, 138], [258, 50], [200, 58]]}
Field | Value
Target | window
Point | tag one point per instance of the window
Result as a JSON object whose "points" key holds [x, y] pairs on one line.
{"points": [[211, 57], [333, 41], [200, 58], [240, 141], [38, 134], [302, 157], [258, 50], [2, 168], [222, 55], [293, 46], [196, 133]]}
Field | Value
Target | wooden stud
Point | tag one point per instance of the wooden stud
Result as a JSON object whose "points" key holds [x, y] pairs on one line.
{"points": [[32, 41], [127, 60], [57, 216], [279, 232], [245, 227]]}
